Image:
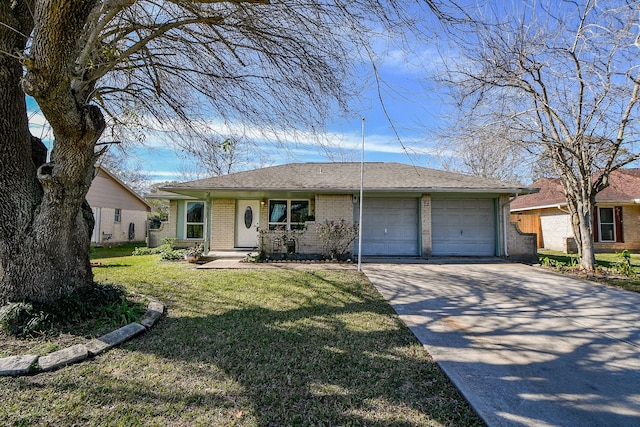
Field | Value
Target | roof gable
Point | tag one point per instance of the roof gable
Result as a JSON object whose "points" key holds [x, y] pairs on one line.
{"points": [[107, 190]]}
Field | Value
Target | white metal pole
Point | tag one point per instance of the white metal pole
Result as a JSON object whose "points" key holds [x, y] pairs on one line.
{"points": [[361, 194]]}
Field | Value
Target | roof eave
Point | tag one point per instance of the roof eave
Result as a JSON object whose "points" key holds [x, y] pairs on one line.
{"points": [[194, 192]]}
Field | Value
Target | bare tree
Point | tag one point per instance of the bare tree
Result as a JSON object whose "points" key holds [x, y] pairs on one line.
{"points": [[90, 64], [127, 168], [563, 77], [209, 153], [486, 153]]}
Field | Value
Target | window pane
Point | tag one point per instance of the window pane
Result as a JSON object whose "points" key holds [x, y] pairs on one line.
{"points": [[607, 233], [606, 215], [278, 211], [194, 231], [195, 211], [607, 227], [299, 210]]}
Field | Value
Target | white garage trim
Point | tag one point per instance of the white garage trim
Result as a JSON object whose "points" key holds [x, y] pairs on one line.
{"points": [[463, 227]]}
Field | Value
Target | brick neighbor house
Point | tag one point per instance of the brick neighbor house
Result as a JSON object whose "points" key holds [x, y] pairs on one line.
{"points": [[616, 219]]}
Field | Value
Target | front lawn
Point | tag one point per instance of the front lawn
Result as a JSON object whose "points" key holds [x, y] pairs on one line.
{"points": [[611, 273], [247, 348]]}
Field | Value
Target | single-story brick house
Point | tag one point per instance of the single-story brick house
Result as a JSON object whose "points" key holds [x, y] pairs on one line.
{"points": [[616, 219], [407, 210], [120, 213]]}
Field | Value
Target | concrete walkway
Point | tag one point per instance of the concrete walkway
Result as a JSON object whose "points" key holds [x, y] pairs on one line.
{"points": [[526, 347]]}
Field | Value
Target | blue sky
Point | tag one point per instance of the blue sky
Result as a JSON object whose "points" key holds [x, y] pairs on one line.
{"points": [[415, 108], [415, 112]]}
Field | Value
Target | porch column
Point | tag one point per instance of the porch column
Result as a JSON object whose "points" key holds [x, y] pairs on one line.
{"points": [[207, 224], [425, 224]]}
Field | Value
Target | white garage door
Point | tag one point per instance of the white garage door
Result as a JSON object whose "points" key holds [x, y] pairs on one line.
{"points": [[463, 227], [390, 227]]}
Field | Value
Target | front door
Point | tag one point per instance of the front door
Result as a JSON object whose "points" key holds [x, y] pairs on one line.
{"points": [[247, 217]]}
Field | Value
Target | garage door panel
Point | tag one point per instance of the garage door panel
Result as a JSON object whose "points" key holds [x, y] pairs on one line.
{"points": [[390, 227], [463, 227]]}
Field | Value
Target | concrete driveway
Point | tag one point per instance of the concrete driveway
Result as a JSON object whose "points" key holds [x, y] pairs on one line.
{"points": [[526, 347]]}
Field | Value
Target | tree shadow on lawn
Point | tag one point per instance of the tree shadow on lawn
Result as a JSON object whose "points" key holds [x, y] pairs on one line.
{"points": [[308, 366], [324, 353], [329, 358]]}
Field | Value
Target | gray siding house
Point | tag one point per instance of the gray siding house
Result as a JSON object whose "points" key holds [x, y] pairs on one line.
{"points": [[408, 211]]}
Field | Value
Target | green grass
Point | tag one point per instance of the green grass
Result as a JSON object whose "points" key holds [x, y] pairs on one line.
{"points": [[247, 348], [609, 261], [98, 252]]}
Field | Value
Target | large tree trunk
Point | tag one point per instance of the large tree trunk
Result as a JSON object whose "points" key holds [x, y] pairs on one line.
{"points": [[581, 211], [45, 228], [45, 222]]}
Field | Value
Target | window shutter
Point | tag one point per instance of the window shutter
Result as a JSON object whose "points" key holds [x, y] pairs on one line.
{"points": [[596, 225], [618, 219]]}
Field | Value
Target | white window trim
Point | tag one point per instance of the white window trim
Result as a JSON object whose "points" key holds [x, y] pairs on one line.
{"points": [[203, 223], [288, 223], [613, 215]]}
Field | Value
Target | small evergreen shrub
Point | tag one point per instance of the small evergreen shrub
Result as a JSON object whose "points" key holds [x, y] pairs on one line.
{"points": [[22, 319], [173, 254], [167, 246], [104, 303]]}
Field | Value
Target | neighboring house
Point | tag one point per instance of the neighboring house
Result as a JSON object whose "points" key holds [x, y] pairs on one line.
{"points": [[120, 214], [407, 210], [616, 219]]}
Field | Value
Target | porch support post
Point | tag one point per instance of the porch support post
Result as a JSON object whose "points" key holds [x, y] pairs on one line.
{"points": [[207, 224]]}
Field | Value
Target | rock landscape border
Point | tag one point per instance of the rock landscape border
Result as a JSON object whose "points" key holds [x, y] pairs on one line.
{"points": [[29, 364]]}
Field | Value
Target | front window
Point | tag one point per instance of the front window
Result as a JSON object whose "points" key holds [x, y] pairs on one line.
{"points": [[607, 225], [117, 216], [288, 214], [195, 220]]}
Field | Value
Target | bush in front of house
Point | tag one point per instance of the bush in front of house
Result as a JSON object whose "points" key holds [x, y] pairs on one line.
{"points": [[337, 237]]}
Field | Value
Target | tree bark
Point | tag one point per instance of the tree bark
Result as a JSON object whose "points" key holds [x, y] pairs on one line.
{"points": [[45, 222], [581, 214]]}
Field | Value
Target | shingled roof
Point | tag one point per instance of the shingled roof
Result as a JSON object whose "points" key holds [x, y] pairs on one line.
{"points": [[624, 188], [345, 178]]}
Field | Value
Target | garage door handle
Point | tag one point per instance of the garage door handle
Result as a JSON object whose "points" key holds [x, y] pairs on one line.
{"points": [[461, 232]]}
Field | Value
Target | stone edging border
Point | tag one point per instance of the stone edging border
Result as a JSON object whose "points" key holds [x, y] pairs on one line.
{"points": [[29, 364]]}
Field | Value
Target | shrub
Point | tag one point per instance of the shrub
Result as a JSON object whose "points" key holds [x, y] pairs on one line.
{"points": [[167, 246], [102, 302], [336, 237], [172, 254], [22, 319], [624, 266], [146, 251]]}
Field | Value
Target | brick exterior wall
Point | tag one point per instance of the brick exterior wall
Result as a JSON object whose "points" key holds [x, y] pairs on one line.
{"points": [[333, 207], [167, 228], [223, 222], [558, 233], [521, 246], [630, 231], [425, 220]]}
